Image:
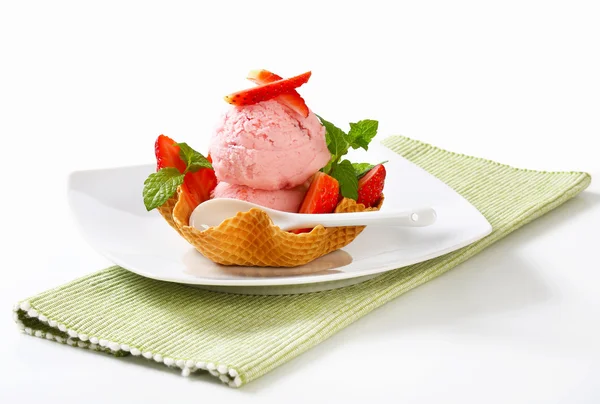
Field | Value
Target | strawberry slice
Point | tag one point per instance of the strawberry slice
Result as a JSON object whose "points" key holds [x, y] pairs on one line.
{"points": [[267, 91], [167, 154], [196, 186], [191, 198], [322, 195], [370, 186], [200, 185], [263, 76], [291, 99]]}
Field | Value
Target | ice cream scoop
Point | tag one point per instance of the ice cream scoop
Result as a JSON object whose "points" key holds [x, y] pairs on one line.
{"points": [[288, 200], [268, 146], [214, 212]]}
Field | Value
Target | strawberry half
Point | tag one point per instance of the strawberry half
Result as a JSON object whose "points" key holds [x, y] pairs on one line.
{"points": [[322, 195], [267, 91], [370, 186], [196, 186], [200, 184], [291, 99], [167, 154]]}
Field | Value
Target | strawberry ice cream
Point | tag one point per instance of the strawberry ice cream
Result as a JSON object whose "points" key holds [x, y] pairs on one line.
{"points": [[268, 146], [288, 200]]}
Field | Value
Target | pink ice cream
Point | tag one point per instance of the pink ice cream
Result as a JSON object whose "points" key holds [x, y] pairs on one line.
{"points": [[288, 200], [268, 146]]}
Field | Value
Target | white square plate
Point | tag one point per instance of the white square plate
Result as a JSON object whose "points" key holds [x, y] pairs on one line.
{"points": [[107, 204]]}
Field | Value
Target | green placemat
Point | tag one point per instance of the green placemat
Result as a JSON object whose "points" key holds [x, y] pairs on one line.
{"points": [[239, 338]]}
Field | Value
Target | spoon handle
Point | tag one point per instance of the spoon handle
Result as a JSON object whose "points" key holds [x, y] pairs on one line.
{"points": [[408, 218]]}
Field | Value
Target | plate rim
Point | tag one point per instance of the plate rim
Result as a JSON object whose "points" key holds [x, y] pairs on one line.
{"points": [[300, 280]]}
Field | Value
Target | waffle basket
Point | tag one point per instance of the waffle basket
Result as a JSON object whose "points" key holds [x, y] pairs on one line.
{"points": [[251, 239]]}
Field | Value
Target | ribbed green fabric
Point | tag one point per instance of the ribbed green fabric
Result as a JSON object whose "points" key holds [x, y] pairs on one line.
{"points": [[239, 338]]}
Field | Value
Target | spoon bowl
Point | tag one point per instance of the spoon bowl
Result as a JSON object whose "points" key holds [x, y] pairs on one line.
{"points": [[213, 212]]}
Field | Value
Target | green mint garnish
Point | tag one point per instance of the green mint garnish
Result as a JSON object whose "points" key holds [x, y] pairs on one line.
{"points": [[339, 142], [160, 186], [193, 160], [344, 173], [362, 132]]}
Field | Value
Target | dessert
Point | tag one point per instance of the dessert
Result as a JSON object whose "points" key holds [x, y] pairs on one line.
{"points": [[268, 146], [269, 149]]}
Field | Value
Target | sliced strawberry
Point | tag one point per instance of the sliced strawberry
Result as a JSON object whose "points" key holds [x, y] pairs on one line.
{"points": [[196, 186], [263, 76], [200, 185], [292, 99], [167, 154], [322, 195], [370, 186], [191, 198], [295, 102], [267, 91]]}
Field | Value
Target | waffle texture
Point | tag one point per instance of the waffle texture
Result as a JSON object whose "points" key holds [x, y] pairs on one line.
{"points": [[251, 239], [239, 338]]}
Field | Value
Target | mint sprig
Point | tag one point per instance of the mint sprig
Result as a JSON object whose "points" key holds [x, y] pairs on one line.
{"points": [[339, 142], [193, 160], [344, 173], [362, 132], [162, 185]]}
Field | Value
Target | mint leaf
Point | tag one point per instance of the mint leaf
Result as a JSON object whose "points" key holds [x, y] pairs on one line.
{"points": [[336, 140], [362, 132], [160, 186], [362, 168], [194, 161], [344, 173]]}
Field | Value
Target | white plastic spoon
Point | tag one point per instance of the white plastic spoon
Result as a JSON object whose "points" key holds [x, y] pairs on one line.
{"points": [[213, 212]]}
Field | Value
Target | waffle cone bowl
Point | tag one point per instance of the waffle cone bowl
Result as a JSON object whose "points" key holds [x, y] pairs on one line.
{"points": [[251, 239]]}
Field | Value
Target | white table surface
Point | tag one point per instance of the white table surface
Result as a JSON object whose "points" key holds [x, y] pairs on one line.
{"points": [[88, 86]]}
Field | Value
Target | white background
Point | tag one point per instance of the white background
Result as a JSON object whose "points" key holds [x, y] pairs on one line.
{"points": [[91, 85]]}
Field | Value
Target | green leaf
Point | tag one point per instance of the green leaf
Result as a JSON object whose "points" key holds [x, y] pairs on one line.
{"points": [[160, 186], [193, 160], [344, 173], [362, 132], [335, 138], [362, 168]]}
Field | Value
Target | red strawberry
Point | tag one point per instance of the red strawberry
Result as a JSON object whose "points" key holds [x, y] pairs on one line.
{"points": [[200, 184], [291, 99], [188, 195], [322, 195], [370, 186], [167, 154], [263, 76], [196, 186], [267, 91]]}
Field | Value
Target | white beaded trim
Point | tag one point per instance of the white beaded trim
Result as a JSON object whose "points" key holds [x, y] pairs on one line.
{"points": [[227, 375]]}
